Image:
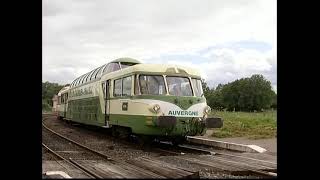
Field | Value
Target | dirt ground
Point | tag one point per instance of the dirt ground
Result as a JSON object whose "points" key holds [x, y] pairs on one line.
{"points": [[269, 144]]}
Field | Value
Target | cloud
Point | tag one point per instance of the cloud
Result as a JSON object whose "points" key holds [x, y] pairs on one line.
{"points": [[228, 65], [222, 65], [79, 35]]}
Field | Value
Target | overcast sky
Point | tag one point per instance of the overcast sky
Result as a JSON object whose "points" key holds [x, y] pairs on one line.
{"points": [[225, 39]]}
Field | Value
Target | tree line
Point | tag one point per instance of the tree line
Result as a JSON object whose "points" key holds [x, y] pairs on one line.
{"points": [[245, 94], [48, 91]]}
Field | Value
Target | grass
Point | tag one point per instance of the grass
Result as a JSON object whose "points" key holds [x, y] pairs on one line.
{"points": [[244, 124]]}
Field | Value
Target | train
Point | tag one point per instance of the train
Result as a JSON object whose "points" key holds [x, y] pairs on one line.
{"points": [[153, 101]]}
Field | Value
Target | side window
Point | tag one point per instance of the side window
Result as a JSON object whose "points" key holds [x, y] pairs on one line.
{"points": [[126, 87], [136, 87], [117, 88], [104, 90]]}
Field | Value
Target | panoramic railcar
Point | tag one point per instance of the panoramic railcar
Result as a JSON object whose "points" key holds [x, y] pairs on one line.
{"points": [[157, 100], [62, 102]]}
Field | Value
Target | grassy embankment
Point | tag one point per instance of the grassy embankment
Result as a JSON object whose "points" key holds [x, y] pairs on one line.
{"points": [[243, 124]]}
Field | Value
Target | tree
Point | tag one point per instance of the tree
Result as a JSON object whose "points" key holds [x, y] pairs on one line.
{"points": [[215, 100], [48, 90], [248, 94], [206, 89], [274, 100]]}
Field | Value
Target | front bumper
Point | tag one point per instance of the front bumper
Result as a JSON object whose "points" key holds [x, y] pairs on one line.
{"points": [[166, 121], [169, 121], [214, 122]]}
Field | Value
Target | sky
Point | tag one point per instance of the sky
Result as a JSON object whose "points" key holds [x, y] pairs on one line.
{"points": [[225, 39]]}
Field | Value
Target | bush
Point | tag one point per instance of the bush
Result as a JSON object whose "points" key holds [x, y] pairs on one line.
{"points": [[46, 107]]}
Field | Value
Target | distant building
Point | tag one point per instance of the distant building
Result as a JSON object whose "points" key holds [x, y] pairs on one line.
{"points": [[54, 103]]}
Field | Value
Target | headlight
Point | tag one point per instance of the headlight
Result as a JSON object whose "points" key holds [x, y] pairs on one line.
{"points": [[207, 110], [156, 108]]}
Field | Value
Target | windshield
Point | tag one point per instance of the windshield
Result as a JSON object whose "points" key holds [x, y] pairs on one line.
{"points": [[179, 86], [150, 84], [197, 87]]}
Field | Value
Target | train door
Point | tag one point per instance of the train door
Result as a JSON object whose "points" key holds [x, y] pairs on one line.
{"points": [[65, 105], [106, 92]]}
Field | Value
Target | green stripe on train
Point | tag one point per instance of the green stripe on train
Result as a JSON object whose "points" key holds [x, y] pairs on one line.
{"points": [[88, 111]]}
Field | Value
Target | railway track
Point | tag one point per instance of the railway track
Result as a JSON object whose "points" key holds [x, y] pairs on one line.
{"points": [[240, 164], [76, 143], [73, 163], [65, 153], [113, 168], [258, 167]]}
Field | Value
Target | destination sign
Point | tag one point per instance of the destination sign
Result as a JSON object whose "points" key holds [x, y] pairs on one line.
{"points": [[183, 113]]}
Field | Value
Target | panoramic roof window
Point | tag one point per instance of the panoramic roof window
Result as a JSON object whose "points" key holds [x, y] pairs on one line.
{"points": [[84, 78], [93, 74], [98, 74], [77, 81], [88, 77], [126, 64], [112, 67]]}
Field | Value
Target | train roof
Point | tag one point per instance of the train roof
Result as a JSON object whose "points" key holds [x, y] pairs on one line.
{"points": [[133, 66], [127, 60], [156, 68], [99, 71], [66, 88]]}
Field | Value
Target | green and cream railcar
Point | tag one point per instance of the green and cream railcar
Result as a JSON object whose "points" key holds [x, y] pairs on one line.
{"points": [[62, 104], [144, 99]]}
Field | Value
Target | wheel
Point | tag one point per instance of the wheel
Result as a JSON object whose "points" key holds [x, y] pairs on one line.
{"points": [[145, 141], [178, 140], [115, 133]]}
